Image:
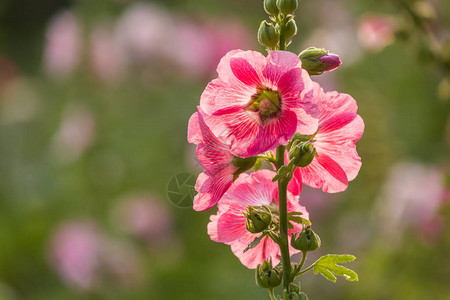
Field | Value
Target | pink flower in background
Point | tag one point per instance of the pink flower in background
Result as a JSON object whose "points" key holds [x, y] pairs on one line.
{"points": [[215, 158], [376, 31], [85, 258], [336, 161], [412, 196], [257, 103], [62, 52], [146, 217], [107, 57], [205, 44], [75, 247], [76, 133], [143, 30], [228, 225]]}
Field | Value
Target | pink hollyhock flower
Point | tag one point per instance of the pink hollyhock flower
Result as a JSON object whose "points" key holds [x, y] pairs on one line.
{"points": [[63, 47], [376, 31], [228, 225], [257, 103], [336, 161], [216, 160]]}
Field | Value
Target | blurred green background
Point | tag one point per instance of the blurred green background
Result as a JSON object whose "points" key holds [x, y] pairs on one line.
{"points": [[95, 97]]}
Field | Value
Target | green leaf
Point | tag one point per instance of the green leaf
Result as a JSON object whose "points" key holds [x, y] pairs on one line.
{"points": [[254, 243], [328, 266]]}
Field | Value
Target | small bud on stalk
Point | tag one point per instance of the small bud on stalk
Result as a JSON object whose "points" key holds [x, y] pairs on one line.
{"points": [[258, 219], [267, 35], [287, 6], [308, 240], [270, 6], [290, 30], [268, 277], [303, 154], [316, 60]]}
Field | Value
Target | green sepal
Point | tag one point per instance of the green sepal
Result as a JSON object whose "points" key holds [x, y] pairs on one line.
{"points": [[258, 164], [254, 243], [328, 267]]}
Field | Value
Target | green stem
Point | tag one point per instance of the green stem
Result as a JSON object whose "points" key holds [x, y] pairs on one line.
{"points": [[272, 295], [282, 35], [303, 260], [306, 270], [282, 204]]}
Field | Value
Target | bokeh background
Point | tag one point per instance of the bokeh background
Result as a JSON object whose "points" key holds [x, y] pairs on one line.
{"points": [[95, 97]]}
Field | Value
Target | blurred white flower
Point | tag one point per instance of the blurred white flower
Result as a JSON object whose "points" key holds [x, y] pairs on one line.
{"points": [[62, 51]]}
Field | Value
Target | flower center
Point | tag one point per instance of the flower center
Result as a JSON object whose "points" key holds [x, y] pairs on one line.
{"points": [[266, 102]]}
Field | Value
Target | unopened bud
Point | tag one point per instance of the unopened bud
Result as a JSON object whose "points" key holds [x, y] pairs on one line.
{"points": [[268, 277], [270, 6], [303, 154], [316, 60], [290, 30], [287, 6], [258, 219], [308, 240], [267, 35]]}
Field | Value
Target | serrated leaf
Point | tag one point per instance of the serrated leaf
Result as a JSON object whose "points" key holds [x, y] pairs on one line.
{"points": [[255, 242], [328, 266]]}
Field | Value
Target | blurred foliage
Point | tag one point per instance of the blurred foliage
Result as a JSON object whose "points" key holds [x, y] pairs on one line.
{"points": [[140, 143]]}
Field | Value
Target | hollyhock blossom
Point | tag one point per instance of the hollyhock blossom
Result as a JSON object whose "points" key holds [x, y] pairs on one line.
{"points": [[336, 161], [257, 103], [228, 225], [215, 159]]}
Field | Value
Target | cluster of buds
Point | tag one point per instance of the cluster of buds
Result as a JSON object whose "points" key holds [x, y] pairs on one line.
{"points": [[280, 11], [318, 60], [268, 277]]}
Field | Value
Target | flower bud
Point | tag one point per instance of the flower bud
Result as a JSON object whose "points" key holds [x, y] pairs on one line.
{"points": [[290, 30], [287, 6], [308, 240], [303, 154], [257, 218], [316, 61], [267, 35], [270, 6], [268, 277]]}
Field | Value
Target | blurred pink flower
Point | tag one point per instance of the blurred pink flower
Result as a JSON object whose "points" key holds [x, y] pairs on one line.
{"points": [[62, 52], [76, 133], [203, 44], [146, 217], [411, 196], [75, 246], [107, 56], [144, 30], [376, 31], [86, 259], [228, 225]]}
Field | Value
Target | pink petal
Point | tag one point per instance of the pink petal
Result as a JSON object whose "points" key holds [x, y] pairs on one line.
{"points": [[266, 249], [295, 185], [243, 71], [279, 62], [325, 173], [211, 189]]}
